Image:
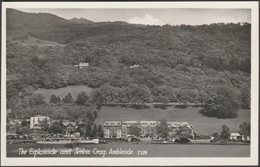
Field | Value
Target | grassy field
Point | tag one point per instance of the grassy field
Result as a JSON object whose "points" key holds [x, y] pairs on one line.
{"points": [[39, 42], [201, 124], [62, 92]]}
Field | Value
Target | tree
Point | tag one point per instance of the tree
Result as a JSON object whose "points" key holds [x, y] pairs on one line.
{"points": [[162, 129], [37, 99], [54, 99], [56, 129], [94, 131], [215, 135], [90, 116], [82, 97], [224, 133], [163, 94], [139, 94], [68, 98], [95, 113], [184, 133], [23, 130], [100, 131], [223, 104], [135, 130], [88, 130], [245, 129], [245, 97], [45, 125], [25, 123]]}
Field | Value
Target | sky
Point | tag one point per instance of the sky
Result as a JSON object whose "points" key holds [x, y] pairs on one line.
{"points": [[154, 16]]}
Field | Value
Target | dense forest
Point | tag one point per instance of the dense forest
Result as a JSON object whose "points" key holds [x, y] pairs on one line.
{"points": [[179, 63]]}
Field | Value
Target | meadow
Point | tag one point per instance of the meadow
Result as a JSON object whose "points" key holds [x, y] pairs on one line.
{"points": [[200, 123]]}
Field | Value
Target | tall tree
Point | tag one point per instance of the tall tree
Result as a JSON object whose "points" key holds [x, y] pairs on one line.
{"points": [[100, 131], [68, 98], [54, 99], [88, 130], [56, 129], [215, 135], [245, 129], [135, 130], [224, 104], [94, 131], [184, 132], [82, 97], [162, 129], [37, 99], [225, 132]]}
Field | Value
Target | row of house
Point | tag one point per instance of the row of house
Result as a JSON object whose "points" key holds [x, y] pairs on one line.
{"points": [[120, 129], [37, 122]]}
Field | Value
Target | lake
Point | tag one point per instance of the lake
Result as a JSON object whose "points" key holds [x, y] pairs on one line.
{"points": [[129, 150]]}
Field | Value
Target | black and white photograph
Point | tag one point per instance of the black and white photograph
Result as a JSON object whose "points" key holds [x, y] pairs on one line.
{"points": [[125, 83]]}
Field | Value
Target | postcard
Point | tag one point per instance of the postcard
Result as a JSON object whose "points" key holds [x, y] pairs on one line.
{"points": [[129, 83]]}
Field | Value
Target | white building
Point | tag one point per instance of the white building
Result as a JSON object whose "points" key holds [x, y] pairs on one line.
{"points": [[38, 121], [82, 65], [135, 66], [112, 129], [235, 136], [121, 129]]}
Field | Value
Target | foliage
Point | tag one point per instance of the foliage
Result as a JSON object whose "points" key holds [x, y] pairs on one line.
{"points": [[176, 63], [68, 98], [245, 97], [223, 104], [100, 131], [95, 113], [88, 130], [245, 129], [54, 99], [184, 132], [163, 94], [37, 99], [162, 129], [82, 97], [94, 131], [25, 123], [224, 133], [215, 135], [56, 128], [23, 130], [135, 130]]}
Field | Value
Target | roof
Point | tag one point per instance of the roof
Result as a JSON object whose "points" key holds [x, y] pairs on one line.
{"points": [[235, 134], [40, 116], [66, 123], [112, 123], [83, 64], [148, 123]]}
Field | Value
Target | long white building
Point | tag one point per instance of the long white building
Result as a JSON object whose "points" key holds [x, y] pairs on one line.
{"points": [[120, 129]]}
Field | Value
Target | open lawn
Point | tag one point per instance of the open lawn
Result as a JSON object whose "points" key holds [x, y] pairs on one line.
{"points": [[62, 92], [201, 124]]}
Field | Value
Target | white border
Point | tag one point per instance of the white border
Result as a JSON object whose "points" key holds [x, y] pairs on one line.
{"points": [[252, 160]]}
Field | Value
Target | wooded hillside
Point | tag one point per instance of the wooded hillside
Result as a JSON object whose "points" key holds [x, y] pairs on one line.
{"points": [[174, 63]]}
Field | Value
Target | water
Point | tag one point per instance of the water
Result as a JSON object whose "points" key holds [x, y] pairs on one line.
{"points": [[131, 150]]}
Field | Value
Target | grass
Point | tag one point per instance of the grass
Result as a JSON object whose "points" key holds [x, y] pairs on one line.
{"points": [[39, 42], [201, 124], [62, 92]]}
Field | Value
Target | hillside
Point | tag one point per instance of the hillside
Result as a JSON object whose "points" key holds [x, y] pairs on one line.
{"points": [[173, 63]]}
